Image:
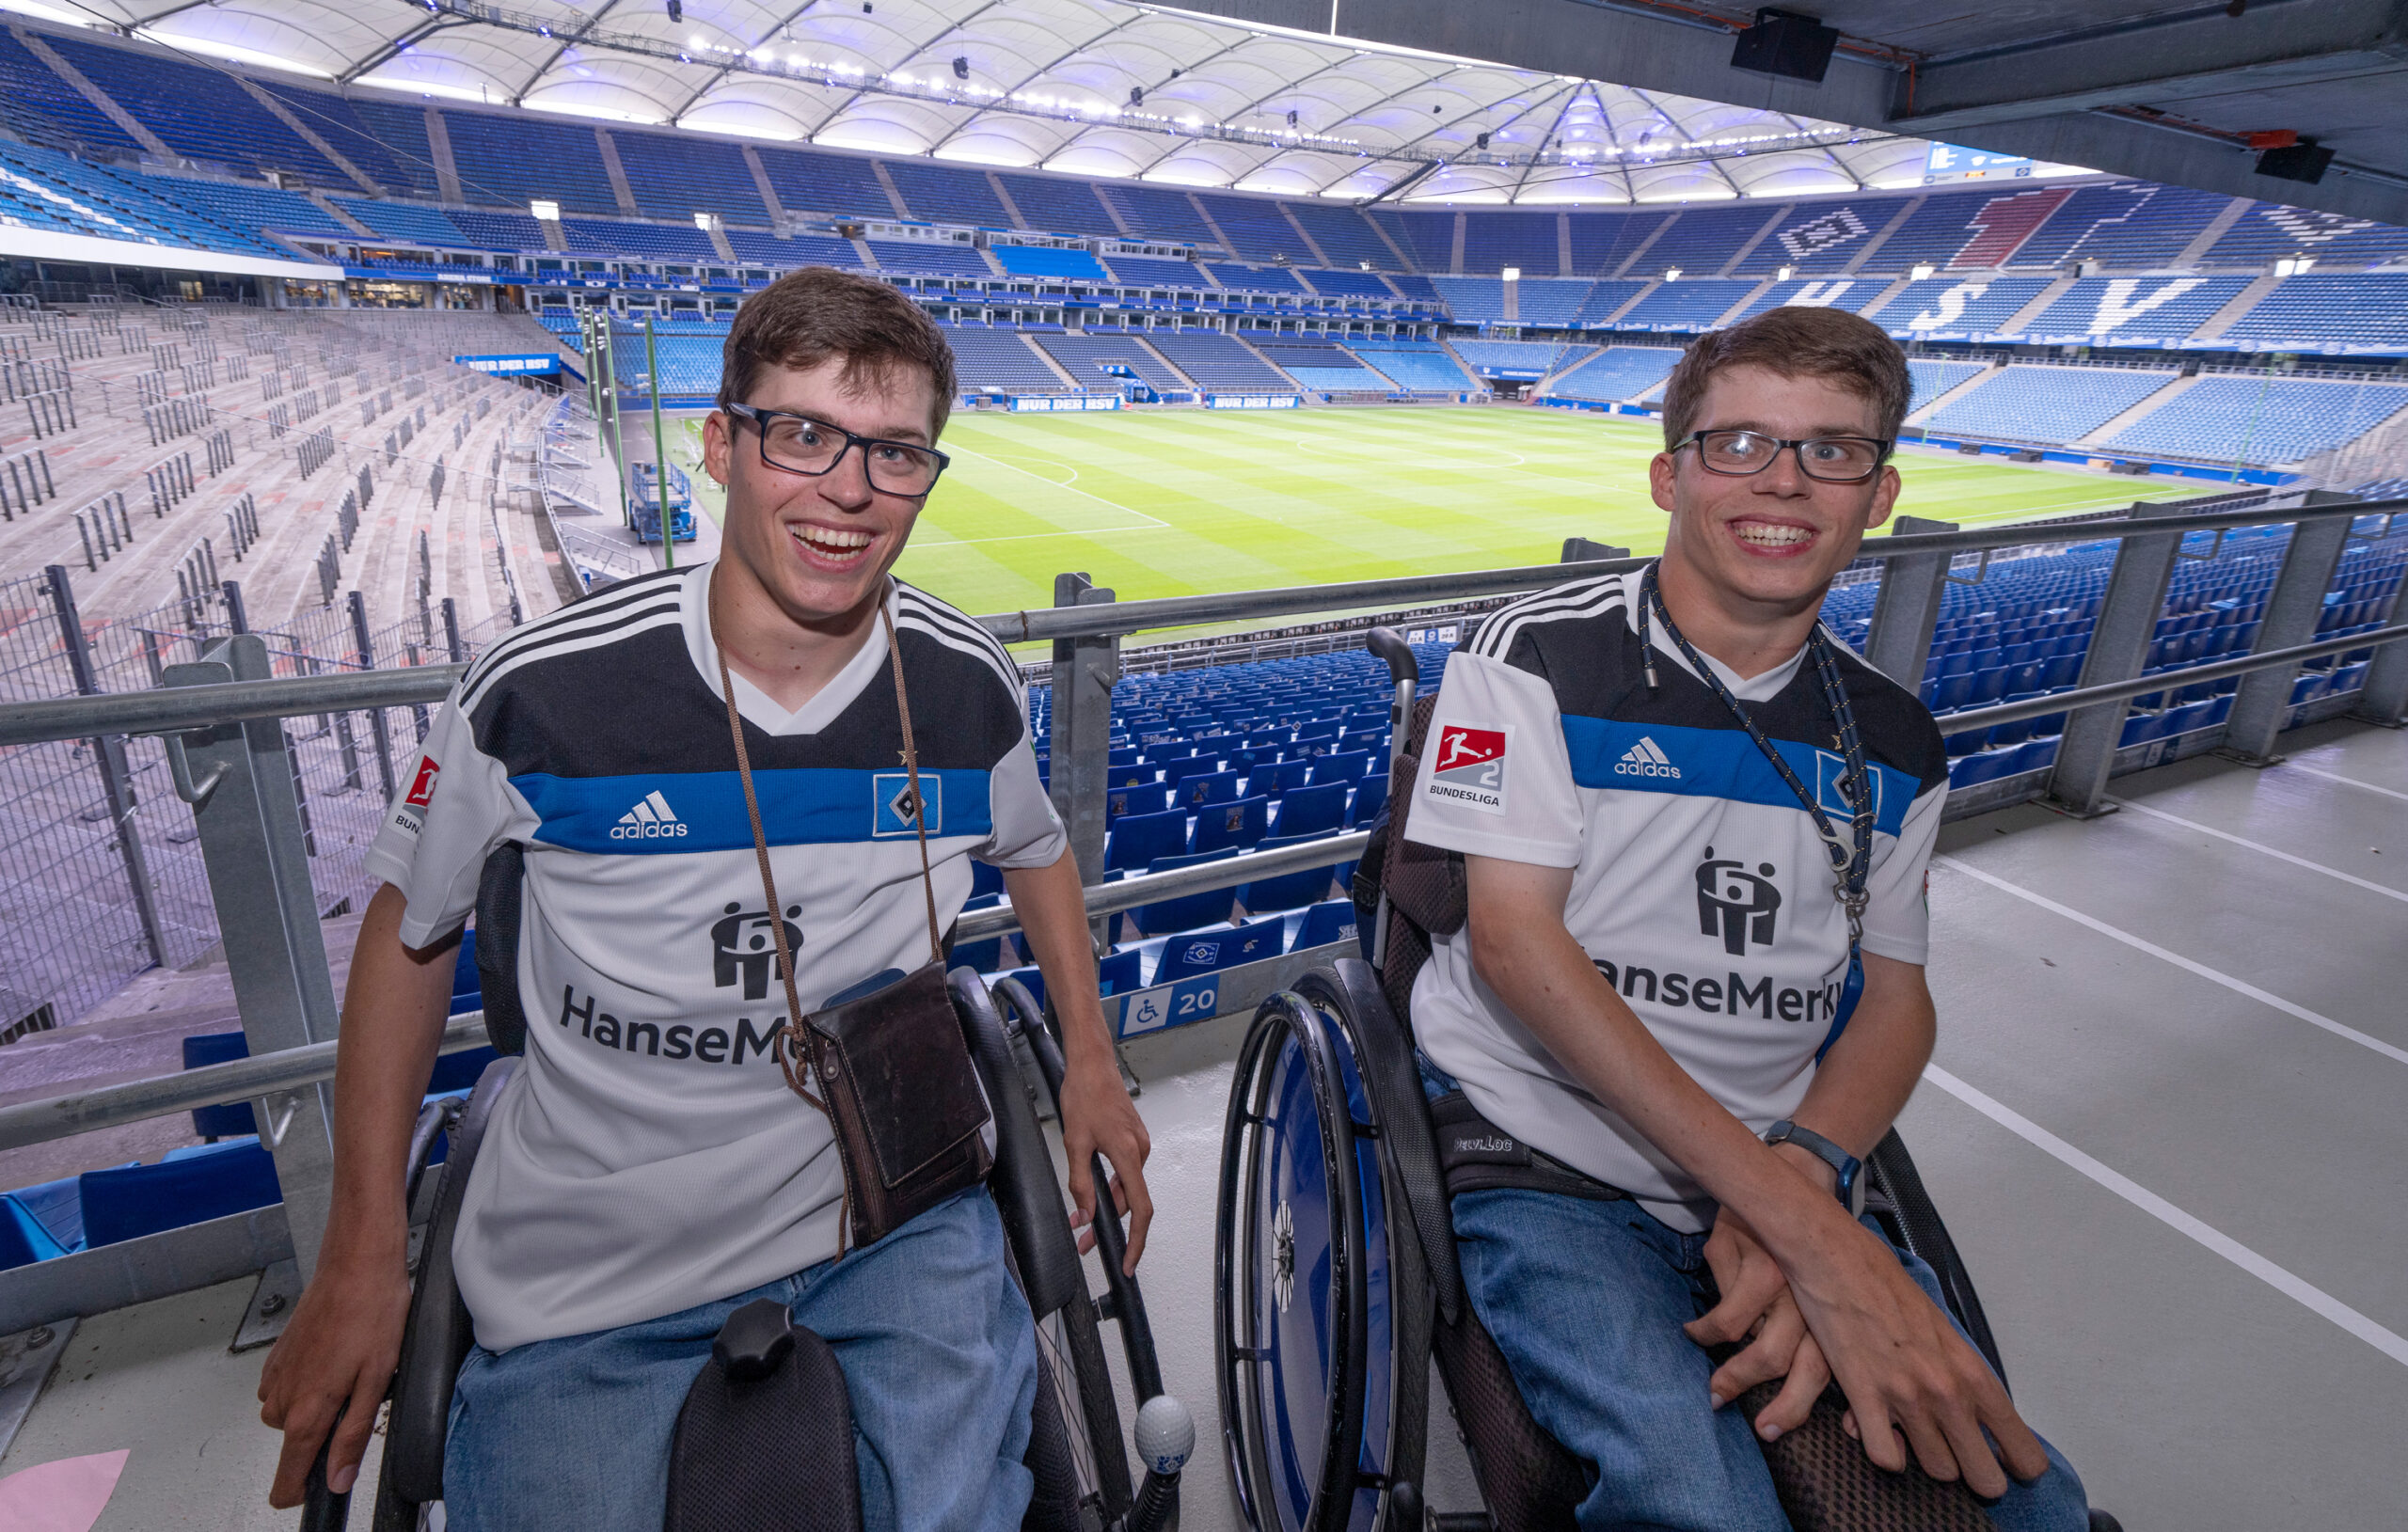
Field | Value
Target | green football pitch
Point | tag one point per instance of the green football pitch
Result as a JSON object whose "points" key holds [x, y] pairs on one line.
{"points": [[1190, 502]]}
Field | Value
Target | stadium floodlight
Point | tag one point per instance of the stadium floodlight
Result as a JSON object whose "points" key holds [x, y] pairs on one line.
{"points": [[1511, 274], [544, 210], [1921, 271]]}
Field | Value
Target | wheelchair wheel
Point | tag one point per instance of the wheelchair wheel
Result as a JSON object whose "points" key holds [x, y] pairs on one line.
{"points": [[1319, 1413]]}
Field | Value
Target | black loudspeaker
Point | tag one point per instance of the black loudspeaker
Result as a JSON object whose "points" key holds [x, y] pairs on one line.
{"points": [[2304, 161], [1785, 43]]}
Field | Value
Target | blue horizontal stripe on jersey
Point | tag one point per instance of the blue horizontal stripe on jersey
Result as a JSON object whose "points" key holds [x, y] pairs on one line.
{"points": [[814, 806], [1721, 763]]}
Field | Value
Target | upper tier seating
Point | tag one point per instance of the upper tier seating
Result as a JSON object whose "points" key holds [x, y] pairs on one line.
{"points": [[2042, 403], [388, 142], [1419, 364], [834, 184], [1257, 231], [787, 254], [985, 359], [1059, 205], [1160, 213], [2124, 310], [47, 109], [1685, 305], [1218, 363], [1149, 271], [1976, 230], [1344, 236], [2231, 417], [404, 221], [1958, 308], [500, 231], [1472, 300], [2125, 224], [2339, 312], [1049, 260], [522, 158], [1820, 237], [1415, 286], [1254, 278], [947, 193], [1082, 357], [651, 242], [46, 189], [1493, 241], [930, 258], [2270, 230], [1607, 298], [1517, 359], [1552, 304], [679, 175], [1933, 377], [1348, 284], [1849, 293], [1429, 237], [250, 207], [1618, 372], [1603, 243], [1702, 240], [199, 111]]}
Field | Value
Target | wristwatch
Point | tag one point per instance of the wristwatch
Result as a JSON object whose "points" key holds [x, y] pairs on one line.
{"points": [[1849, 1169]]}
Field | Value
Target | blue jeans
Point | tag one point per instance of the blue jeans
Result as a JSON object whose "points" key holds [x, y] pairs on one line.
{"points": [[1585, 1301], [939, 1353]]}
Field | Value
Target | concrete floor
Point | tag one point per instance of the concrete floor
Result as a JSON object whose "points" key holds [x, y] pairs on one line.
{"points": [[2163, 1122]]}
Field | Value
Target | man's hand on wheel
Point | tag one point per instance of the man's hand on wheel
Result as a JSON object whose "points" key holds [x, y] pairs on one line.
{"points": [[335, 1356], [1098, 1117]]}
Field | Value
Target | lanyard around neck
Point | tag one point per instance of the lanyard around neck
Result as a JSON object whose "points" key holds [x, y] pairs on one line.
{"points": [[1851, 859]]}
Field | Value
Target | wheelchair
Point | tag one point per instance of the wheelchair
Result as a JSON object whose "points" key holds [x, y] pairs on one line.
{"points": [[1336, 1281], [764, 1441]]}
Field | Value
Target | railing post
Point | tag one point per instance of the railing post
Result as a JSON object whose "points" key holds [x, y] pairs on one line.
{"points": [[2386, 697], [1083, 670], [117, 780], [249, 820], [2293, 608], [2119, 643], [1906, 609], [376, 726], [1579, 550]]}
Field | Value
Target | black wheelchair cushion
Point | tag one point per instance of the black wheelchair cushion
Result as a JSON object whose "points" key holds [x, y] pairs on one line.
{"points": [[764, 1440], [1054, 1505], [499, 894], [1826, 1484], [1528, 1480], [436, 1335]]}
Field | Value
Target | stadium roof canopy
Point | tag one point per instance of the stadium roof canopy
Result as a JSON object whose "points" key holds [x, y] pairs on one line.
{"points": [[1095, 87]]}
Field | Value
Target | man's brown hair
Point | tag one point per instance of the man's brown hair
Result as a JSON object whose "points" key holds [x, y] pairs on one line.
{"points": [[1831, 343], [809, 315]]}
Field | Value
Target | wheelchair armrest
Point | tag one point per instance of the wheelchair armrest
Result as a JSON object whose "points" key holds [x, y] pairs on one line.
{"points": [[438, 1332]]}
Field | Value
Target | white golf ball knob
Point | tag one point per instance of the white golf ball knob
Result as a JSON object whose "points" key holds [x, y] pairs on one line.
{"points": [[1166, 1434]]}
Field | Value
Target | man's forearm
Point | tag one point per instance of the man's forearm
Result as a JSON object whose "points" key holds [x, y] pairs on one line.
{"points": [[1863, 1082], [392, 1028], [1053, 910]]}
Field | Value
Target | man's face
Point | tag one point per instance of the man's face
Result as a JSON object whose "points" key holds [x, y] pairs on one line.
{"points": [[1777, 537], [819, 545]]}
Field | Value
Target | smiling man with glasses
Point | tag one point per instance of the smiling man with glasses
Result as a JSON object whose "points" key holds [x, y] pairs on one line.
{"points": [[1694, 831], [651, 1167]]}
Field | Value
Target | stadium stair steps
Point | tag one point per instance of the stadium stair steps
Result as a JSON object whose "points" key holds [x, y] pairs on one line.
{"points": [[1882, 299], [609, 153], [1924, 412], [1606, 322], [446, 167], [2107, 429], [334, 210], [1052, 366], [1206, 214], [84, 87], [1471, 379], [1004, 196], [1176, 370], [718, 232], [310, 135], [2217, 228], [894, 193], [1731, 315], [1255, 352], [555, 237], [2243, 301], [761, 185], [1747, 247], [1908, 208], [2014, 322], [1312, 245]]}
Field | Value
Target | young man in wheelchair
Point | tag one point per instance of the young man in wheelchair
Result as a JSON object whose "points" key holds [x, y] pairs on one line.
{"points": [[654, 1164], [1695, 831]]}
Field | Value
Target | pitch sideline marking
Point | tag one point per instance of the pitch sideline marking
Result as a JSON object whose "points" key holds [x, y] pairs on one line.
{"points": [[1098, 500], [2280, 855], [2298, 1289], [2211, 975]]}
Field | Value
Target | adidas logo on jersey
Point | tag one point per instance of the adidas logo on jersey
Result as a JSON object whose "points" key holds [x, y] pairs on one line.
{"points": [[650, 821], [1646, 759]]}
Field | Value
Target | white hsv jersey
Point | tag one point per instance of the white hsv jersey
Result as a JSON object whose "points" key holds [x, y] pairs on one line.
{"points": [[1700, 889], [650, 1155]]}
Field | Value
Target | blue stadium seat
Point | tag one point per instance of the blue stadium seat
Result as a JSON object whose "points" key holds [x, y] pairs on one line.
{"points": [[1238, 823], [1186, 956], [1188, 910], [1282, 778], [1208, 787], [1341, 766], [1370, 798], [1287, 891], [1313, 811], [190, 1186], [1138, 840], [1332, 920], [1142, 798]]}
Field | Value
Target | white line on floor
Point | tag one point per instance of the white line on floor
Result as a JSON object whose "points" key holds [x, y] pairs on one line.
{"points": [[2280, 855], [2298, 1289], [2236, 985], [2335, 776]]}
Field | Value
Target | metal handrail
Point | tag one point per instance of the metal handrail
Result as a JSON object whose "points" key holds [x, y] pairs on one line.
{"points": [[194, 707], [1145, 888], [2037, 707], [213, 1084]]}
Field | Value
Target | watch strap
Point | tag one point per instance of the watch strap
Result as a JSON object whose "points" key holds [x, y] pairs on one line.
{"points": [[1850, 1170]]}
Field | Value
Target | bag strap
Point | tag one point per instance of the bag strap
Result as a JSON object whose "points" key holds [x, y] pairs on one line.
{"points": [[911, 768]]}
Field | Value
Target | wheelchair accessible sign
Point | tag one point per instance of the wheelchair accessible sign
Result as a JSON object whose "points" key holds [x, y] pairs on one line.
{"points": [[1166, 1005]]}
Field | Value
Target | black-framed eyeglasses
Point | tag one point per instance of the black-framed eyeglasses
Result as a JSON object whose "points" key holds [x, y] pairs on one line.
{"points": [[800, 444], [1832, 460]]}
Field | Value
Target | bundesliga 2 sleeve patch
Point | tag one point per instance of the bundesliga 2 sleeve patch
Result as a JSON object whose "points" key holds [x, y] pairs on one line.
{"points": [[1467, 765], [411, 815]]}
